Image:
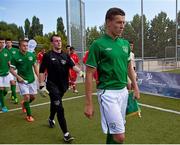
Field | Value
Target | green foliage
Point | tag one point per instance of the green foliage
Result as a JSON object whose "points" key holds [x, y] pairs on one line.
{"points": [[159, 34], [27, 26], [91, 35], [60, 26], [11, 31], [36, 28]]}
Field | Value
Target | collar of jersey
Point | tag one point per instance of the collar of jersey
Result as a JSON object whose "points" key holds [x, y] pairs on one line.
{"points": [[109, 37]]}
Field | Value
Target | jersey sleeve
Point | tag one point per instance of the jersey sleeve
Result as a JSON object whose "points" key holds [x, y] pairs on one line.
{"points": [[44, 63], [13, 63], [85, 57], [93, 56]]}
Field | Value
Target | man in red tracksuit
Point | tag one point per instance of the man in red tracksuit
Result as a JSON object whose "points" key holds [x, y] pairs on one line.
{"points": [[72, 73], [40, 56]]}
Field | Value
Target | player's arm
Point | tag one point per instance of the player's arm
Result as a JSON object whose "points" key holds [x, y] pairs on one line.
{"points": [[91, 65], [36, 69], [132, 76], [12, 70], [75, 67], [78, 70], [42, 69], [89, 109]]}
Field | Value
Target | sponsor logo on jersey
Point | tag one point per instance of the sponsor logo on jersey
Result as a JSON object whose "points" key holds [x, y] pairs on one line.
{"points": [[19, 60], [108, 49]]}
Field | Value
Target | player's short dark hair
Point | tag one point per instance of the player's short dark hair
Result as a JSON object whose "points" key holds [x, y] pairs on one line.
{"points": [[22, 41], [54, 35], [113, 12], [72, 48], [67, 46], [131, 42], [1, 38], [8, 39]]}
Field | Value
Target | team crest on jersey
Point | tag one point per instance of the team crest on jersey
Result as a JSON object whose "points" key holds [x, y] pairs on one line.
{"points": [[30, 58], [5, 54], [63, 62], [125, 49], [13, 52], [19, 60], [53, 59]]}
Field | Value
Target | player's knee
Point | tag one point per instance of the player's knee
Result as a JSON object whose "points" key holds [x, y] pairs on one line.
{"points": [[13, 82], [32, 97], [26, 98], [119, 138]]}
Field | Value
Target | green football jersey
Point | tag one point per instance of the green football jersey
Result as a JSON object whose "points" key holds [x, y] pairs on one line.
{"points": [[24, 65], [13, 51], [111, 58], [5, 58]]}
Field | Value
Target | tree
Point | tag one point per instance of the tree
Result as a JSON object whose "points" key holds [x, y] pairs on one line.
{"points": [[21, 32], [102, 29], [36, 28], [60, 26], [129, 32], [162, 33], [134, 33], [27, 26], [10, 31], [91, 34]]}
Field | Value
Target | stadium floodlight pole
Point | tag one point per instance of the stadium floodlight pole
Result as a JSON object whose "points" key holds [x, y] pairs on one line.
{"points": [[176, 32], [68, 21], [142, 33]]}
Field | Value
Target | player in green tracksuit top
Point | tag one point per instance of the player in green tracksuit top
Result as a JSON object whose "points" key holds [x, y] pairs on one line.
{"points": [[13, 51], [25, 62], [5, 78], [110, 56]]}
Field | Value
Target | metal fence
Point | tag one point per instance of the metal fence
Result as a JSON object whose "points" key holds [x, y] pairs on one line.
{"points": [[157, 65]]}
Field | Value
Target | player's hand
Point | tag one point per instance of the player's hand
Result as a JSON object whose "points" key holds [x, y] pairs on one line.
{"points": [[82, 74], [43, 89], [20, 80], [136, 93], [89, 111]]}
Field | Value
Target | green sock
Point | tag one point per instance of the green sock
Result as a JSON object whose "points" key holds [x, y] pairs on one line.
{"points": [[28, 109], [110, 140], [2, 98], [13, 89]]}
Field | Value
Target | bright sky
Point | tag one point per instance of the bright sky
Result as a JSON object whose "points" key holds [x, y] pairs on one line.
{"points": [[16, 11]]}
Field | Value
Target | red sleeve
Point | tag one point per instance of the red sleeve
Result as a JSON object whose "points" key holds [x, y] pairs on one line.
{"points": [[85, 57]]}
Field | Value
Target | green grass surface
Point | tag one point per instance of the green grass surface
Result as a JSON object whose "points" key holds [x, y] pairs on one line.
{"points": [[177, 71], [155, 126]]}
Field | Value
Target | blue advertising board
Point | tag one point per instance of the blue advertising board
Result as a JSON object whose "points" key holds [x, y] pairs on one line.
{"points": [[164, 84]]}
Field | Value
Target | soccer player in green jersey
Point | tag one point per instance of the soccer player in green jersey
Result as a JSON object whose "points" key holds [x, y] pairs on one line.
{"points": [[13, 51], [5, 77], [25, 62], [110, 55]]}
